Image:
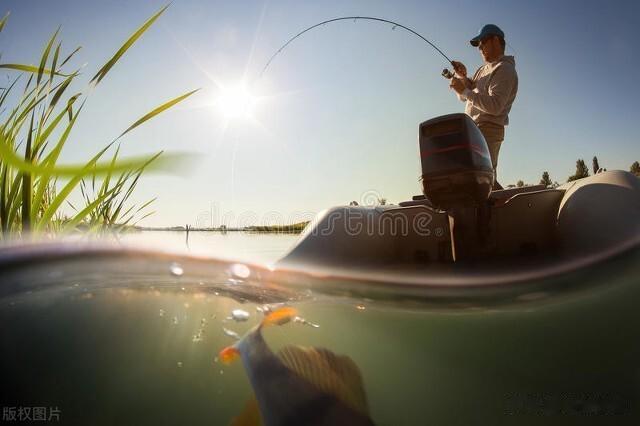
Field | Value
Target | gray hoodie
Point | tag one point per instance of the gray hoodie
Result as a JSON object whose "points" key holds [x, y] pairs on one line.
{"points": [[495, 85]]}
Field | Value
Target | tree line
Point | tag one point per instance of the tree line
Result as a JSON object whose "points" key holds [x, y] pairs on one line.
{"points": [[582, 171]]}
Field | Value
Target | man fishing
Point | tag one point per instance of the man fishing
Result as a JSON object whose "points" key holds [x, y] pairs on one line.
{"points": [[491, 91]]}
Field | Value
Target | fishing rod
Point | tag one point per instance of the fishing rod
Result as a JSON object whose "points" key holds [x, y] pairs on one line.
{"points": [[445, 73]]}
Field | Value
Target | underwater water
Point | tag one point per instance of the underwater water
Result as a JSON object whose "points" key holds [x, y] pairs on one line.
{"points": [[103, 337]]}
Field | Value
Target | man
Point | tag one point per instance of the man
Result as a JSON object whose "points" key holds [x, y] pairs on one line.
{"points": [[491, 91]]}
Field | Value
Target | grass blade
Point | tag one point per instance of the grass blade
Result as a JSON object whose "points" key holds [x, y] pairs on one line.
{"points": [[43, 182], [13, 201], [54, 63], [69, 226], [31, 69], [172, 161], [27, 179], [143, 217], [147, 204], [70, 103], [57, 95], [107, 178], [45, 56], [135, 36], [8, 90], [157, 111], [4, 225], [3, 21], [70, 56], [62, 196]]}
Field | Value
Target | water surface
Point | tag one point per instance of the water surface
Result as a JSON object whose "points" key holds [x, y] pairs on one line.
{"points": [[249, 246], [114, 337]]}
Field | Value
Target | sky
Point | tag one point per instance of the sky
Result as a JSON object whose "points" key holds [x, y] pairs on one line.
{"points": [[338, 111]]}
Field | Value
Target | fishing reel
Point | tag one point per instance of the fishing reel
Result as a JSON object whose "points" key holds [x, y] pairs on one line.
{"points": [[447, 74]]}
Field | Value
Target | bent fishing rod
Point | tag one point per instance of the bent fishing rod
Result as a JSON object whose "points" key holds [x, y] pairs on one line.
{"points": [[445, 73]]}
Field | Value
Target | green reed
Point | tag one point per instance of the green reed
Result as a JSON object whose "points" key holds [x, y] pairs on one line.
{"points": [[35, 125]]}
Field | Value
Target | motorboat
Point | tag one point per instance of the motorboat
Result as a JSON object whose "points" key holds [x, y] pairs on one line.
{"points": [[459, 220]]}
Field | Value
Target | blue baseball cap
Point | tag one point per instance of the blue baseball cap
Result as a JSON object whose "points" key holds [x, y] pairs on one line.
{"points": [[486, 31]]}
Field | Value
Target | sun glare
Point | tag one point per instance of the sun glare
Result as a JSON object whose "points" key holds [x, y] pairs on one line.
{"points": [[236, 102]]}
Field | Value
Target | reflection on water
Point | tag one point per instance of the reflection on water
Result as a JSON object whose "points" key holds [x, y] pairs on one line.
{"points": [[253, 247], [128, 340]]}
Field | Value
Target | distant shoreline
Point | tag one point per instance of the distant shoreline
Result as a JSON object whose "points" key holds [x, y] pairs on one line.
{"points": [[295, 228]]}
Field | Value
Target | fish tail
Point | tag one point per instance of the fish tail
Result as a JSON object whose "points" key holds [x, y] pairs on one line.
{"points": [[337, 375]]}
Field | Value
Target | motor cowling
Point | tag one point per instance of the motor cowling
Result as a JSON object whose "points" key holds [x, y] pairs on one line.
{"points": [[456, 164]]}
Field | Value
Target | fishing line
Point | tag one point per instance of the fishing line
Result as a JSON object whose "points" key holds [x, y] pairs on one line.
{"points": [[354, 18]]}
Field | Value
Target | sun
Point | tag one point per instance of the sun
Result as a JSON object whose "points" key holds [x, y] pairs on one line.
{"points": [[236, 101]]}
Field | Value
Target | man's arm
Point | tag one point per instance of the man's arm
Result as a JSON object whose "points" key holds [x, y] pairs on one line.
{"points": [[492, 102]]}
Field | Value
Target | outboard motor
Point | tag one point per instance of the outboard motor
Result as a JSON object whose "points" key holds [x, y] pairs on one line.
{"points": [[456, 164], [457, 176]]}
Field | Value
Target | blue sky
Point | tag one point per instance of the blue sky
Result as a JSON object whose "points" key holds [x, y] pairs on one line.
{"points": [[343, 103]]}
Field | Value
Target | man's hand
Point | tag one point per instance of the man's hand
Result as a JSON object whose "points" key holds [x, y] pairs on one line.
{"points": [[457, 85], [459, 68]]}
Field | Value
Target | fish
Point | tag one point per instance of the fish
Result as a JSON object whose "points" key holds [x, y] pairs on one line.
{"points": [[298, 385]]}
